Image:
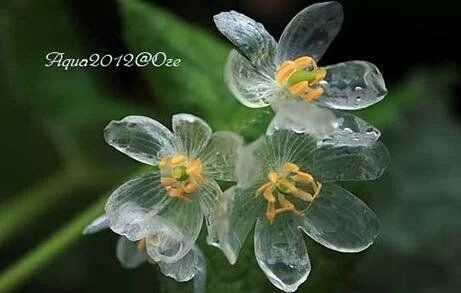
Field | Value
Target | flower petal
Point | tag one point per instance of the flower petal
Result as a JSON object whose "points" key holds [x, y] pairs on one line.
{"points": [[281, 252], [340, 221], [184, 269], [310, 32], [99, 224], [236, 218], [352, 131], [302, 117], [251, 165], [250, 37], [289, 146], [174, 230], [252, 88], [210, 195], [353, 85], [139, 137], [332, 163], [128, 253], [192, 134], [220, 156], [131, 206]]}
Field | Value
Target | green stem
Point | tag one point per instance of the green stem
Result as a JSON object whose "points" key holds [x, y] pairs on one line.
{"points": [[35, 260], [24, 208]]}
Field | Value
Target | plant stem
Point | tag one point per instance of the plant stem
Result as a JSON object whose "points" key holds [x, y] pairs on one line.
{"points": [[36, 259]]}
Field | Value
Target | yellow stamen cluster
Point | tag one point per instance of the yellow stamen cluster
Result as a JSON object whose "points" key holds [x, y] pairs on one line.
{"points": [[181, 176], [302, 78], [285, 183]]}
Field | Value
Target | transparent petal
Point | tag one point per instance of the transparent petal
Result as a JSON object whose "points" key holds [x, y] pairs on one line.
{"points": [[281, 252], [236, 218], [139, 137], [289, 146], [131, 206], [352, 131], [252, 88], [353, 85], [342, 163], [175, 230], [192, 134], [128, 253], [200, 271], [220, 156], [210, 195], [99, 224], [302, 117], [340, 221], [251, 165], [184, 269], [250, 37], [310, 32]]}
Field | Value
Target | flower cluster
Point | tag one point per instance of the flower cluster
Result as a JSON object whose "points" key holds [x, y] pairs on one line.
{"points": [[283, 183]]}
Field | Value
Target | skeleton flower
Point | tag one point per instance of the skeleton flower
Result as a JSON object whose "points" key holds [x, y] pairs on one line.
{"points": [[285, 74], [285, 184], [165, 207], [131, 254]]}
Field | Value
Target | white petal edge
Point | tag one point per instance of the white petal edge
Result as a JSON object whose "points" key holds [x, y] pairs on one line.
{"points": [[192, 134], [236, 217], [131, 206], [186, 268], [353, 85], [99, 224], [303, 117], [141, 138], [310, 32], [250, 37], [340, 221], [251, 88], [281, 252], [350, 163], [174, 230]]}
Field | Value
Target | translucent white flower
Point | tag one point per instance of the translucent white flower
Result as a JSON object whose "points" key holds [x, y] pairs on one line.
{"points": [[132, 254], [285, 184], [165, 207], [263, 72]]}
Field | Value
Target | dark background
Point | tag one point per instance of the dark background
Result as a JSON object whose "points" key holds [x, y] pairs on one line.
{"points": [[55, 164]]}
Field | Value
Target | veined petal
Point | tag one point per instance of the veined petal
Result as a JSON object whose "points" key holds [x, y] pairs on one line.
{"points": [[220, 156], [342, 163], [236, 218], [128, 253], [175, 230], [252, 88], [186, 268], [99, 224], [251, 164], [281, 252], [289, 146], [131, 206], [210, 195], [250, 37], [340, 221], [352, 131], [353, 85], [192, 134], [139, 137], [310, 32], [302, 117]]}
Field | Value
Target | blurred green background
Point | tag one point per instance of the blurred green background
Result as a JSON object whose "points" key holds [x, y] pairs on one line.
{"points": [[56, 170]]}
